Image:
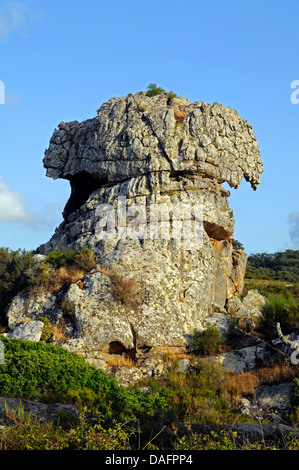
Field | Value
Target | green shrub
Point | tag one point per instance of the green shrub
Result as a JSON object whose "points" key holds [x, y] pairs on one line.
{"points": [[84, 259], [47, 331], [198, 396], [279, 309], [27, 433], [170, 96], [67, 307], [55, 259], [238, 245], [206, 342], [280, 266], [46, 372], [295, 393], [153, 90]]}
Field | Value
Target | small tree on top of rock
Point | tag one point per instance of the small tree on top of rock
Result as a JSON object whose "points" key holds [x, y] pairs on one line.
{"points": [[153, 90]]}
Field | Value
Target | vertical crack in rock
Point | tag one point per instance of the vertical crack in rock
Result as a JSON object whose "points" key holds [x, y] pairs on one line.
{"points": [[172, 170]]}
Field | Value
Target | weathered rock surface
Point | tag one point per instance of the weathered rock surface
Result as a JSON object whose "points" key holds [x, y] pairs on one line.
{"points": [[253, 302], [247, 311], [138, 135], [30, 331], [141, 152], [45, 413], [245, 359], [274, 398], [243, 432]]}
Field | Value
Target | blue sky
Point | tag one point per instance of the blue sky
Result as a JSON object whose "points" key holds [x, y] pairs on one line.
{"points": [[59, 61]]}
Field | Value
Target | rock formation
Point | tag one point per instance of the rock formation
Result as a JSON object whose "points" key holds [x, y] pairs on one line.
{"points": [[139, 154]]}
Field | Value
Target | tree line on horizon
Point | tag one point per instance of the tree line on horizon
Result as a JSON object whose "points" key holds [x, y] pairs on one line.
{"points": [[282, 266]]}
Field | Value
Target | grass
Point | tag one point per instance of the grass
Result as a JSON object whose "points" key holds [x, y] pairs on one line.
{"points": [[279, 309], [112, 417], [271, 286], [53, 280], [244, 384], [26, 433], [120, 361]]}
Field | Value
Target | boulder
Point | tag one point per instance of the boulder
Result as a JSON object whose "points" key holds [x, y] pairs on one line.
{"points": [[30, 331], [245, 359], [274, 398], [247, 311], [253, 302], [45, 413]]}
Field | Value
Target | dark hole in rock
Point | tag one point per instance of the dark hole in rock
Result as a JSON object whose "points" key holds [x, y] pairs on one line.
{"points": [[177, 174], [215, 231], [82, 185], [115, 347]]}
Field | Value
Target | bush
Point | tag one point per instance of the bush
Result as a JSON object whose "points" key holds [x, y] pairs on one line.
{"points": [[84, 259], [279, 309], [45, 372], [294, 412], [47, 331], [206, 342], [153, 90], [295, 393], [19, 270], [198, 396], [170, 97], [125, 289], [48, 373], [238, 245], [26, 433], [67, 307]]}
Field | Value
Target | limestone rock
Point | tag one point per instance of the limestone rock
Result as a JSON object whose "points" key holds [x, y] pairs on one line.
{"points": [[137, 154], [253, 302], [30, 331], [247, 311], [137, 135], [245, 359], [221, 321], [275, 398], [45, 413], [37, 306]]}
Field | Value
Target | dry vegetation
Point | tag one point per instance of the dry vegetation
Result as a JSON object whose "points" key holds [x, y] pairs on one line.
{"points": [[120, 361], [180, 114], [125, 289], [244, 384], [53, 281]]}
